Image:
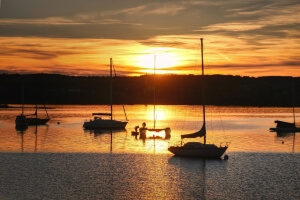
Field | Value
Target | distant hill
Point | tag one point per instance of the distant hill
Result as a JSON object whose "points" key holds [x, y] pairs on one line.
{"points": [[170, 89]]}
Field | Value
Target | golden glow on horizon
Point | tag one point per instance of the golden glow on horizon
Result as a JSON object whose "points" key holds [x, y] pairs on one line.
{"points": [[131, 58]]}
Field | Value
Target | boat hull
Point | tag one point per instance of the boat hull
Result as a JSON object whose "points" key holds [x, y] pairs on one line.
{"points": [[296, 129], [37, 121], [104, 124], [204, 152]]}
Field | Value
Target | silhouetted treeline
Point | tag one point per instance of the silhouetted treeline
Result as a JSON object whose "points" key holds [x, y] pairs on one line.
{"points": [[169, 89]]}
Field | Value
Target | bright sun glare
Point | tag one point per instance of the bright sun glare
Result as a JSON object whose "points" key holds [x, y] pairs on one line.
{"points": [[160, 61]]}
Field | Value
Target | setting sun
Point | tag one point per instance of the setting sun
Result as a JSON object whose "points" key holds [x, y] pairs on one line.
{"points": [[160, 61]]}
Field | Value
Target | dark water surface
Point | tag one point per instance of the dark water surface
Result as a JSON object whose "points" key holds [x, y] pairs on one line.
{"points": [[62, 161], [144, 176]]}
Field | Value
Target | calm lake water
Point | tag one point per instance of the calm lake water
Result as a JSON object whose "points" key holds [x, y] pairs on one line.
{"points": [[63, 161]]}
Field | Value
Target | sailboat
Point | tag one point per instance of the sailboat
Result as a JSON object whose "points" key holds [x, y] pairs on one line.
{"points": [[197, 149], [98, 122], [144, 129], [23, 121], [282, 126], [35, 120]]}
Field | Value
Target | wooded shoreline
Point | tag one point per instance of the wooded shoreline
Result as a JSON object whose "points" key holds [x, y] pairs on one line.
{"points": [[169, 90]]}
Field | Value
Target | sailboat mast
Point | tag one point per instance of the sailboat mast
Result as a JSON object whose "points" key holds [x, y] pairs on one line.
{"points": [[154, 90], [293, 98], [36, 103], [36, 108], [22, 96], [203, 100], [111, 109]]}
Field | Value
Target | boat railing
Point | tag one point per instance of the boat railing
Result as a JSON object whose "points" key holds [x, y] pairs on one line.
{"points": [[181, 143], [224, 144], [176, 144]]}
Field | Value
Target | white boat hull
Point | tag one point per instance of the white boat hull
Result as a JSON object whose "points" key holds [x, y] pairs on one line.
{"points": [[104, 124], [204, 152]]}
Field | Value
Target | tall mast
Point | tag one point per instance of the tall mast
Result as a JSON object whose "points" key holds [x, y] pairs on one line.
{"points": [[36, 108], [111, 110], [293, 98], [36, 101], [154, 90], [22, 96], [203, 100]]}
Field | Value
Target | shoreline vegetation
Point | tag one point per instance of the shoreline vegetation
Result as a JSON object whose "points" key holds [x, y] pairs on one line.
{"points": [[220, 90]]}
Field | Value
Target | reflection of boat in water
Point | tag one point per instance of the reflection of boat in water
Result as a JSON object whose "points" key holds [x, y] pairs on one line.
{"points": [[21, 125], [98, 122], [197, 149], [142, 131], [22, 130], [20, 121], [102, 134], [286, 134]]}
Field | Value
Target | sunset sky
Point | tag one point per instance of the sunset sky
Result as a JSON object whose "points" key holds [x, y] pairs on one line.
{"points": [[77, 37]]}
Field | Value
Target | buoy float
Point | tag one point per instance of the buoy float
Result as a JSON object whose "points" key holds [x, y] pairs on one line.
{"points": [[226, 157]]}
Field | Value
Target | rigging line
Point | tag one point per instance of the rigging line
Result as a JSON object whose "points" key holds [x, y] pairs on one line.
{"points": [[125, 112], [113, 65], [293, 101]]}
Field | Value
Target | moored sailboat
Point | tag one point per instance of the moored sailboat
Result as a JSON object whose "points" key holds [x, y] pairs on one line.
{"points": [[22, 120], [35, 120], [98, 122], [283, 126], [198, 149]]}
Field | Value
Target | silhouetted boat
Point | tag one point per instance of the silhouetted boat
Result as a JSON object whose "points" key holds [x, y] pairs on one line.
{"points": [[197, 149], [35, 120], [23, 120], [98, 122], [282, 126]]}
